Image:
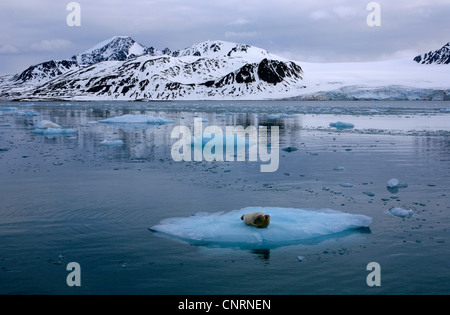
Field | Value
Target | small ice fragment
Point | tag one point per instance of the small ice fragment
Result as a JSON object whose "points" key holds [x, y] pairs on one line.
{"points": [[290, 149], [392, 183], [347, 185], [342, 125], [300, 258], [54, 131], [338, 169], [368, 193], [46, 124], [401, 213], [112, 143]]}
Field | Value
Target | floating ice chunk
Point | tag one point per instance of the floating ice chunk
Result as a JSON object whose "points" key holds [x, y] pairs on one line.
{"points": [[347, 185], [401, 213], [392, 183], [238, 141], [342, 125], [288, 226], [136, 119], [112, 143], [339, 169], [54, 131], [290, 149], [46, 124], [369, 193]]}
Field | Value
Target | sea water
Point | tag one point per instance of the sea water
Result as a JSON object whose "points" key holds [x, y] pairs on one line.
{"points": [[68, 197]]}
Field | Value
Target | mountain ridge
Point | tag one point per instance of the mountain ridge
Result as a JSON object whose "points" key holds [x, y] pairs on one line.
{"points": [[122, 69], [440, 56]]}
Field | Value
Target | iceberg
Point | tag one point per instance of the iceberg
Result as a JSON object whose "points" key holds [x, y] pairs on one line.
{"points": [[288, 227], [136, 119], [342, 125]]}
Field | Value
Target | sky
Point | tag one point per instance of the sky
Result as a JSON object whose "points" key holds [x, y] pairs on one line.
{"points": [[34, 31]]}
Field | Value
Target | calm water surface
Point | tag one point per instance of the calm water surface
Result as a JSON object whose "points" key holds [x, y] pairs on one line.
{"points": [[69, 199]]}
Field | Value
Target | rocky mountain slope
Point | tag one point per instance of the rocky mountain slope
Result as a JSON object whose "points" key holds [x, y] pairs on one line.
{"points": [[440, 56], [121, 68]]}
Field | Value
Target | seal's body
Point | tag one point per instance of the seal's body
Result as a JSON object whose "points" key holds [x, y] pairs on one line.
{"points": [[257, 219]]}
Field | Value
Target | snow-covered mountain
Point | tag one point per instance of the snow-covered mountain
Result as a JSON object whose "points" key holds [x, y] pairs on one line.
{"points": [[119, 48], [440, 56], [122, 69]]}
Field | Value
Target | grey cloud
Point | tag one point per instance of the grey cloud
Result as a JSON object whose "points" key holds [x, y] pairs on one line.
{"points": [[312, 30]]}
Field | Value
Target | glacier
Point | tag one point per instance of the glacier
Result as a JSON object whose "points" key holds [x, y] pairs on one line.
{"points": [[289, 226]]}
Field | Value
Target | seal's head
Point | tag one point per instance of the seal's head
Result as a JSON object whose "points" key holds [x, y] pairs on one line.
{"points": [[259, 220]]}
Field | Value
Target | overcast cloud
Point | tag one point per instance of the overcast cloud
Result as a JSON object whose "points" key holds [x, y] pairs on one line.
{"points": [[320, 31]]}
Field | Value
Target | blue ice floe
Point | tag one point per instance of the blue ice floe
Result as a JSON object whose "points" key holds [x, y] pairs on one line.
{"points": [[135, 122], [287, 227], [401, 213], [235, 140], [342, 125], [48, 128], [112, 143]]}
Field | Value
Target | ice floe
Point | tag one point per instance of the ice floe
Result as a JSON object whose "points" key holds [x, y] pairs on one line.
{"points": [[392, 183], [401, 213], [54, 131], [342, 125], [48, 128], [288, 226], [112, 143], [45, 124]]}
